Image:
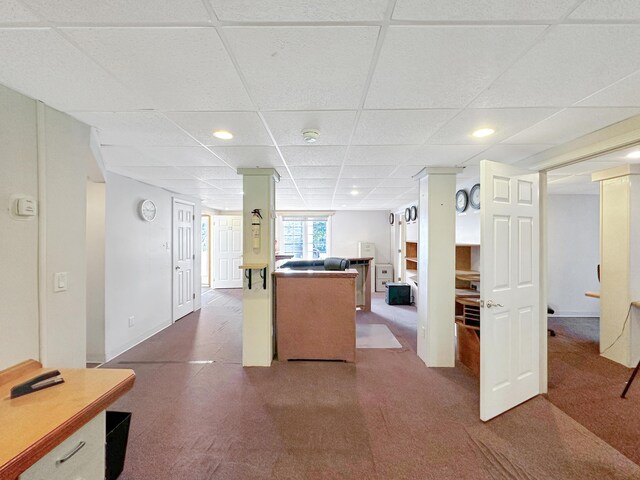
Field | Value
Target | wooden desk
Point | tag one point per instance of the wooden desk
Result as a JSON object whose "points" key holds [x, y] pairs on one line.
{"points": [[34, 424]]}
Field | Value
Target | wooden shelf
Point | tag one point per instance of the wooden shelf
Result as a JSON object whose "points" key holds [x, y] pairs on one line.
{"points": [[468, 275], [411, 259], [253, 266], [466, 292]]}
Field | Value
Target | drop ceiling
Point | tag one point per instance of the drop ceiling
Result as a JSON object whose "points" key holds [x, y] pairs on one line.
{"points": [[392, 86]]}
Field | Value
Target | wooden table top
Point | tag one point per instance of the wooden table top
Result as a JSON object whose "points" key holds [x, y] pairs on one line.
{"points": [[34, 424]]}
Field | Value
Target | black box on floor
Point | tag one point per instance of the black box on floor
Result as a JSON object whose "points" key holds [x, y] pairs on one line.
{"points": [[116, 448], [398, 294]]}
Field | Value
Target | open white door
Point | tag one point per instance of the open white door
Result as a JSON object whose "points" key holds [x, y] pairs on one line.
{"points": [[227, 251], [509, 287], [183, 258]]}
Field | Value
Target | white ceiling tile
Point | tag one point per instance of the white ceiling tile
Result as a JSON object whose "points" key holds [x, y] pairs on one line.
{"points": [[440, 67], [509, 153], [152, 173], [246, 127], [570, 63], [505, 121], [623, 93], [284, 183], [314, 172], [117, 156], [297, 11], [607, 10], [407, 171], [405, 183], [399, 127], [464, 10], [334, 126], [349, 183], [212, 173], [114, 12], [235, 183], [12, 12], [313, 155], [41, 64], [444, 155], [395, 191], [380, 155], [135, 128], [371, 171], [315, 182], [571, 123], [300, 68], [249, 157], [317, 191], [178, 185], [182, 156], [193, 71]]}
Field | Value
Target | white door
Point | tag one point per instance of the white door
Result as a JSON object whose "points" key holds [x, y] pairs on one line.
{"points": [[183, 258], [227, 251], [509, 287]]}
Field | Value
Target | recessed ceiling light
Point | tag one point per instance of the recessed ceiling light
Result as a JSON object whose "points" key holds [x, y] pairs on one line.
{"points": [[223, 135], [344, 206], [483, 132], [634, 154], [354, 192]]}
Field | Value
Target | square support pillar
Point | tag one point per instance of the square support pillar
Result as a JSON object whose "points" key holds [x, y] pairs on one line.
{"points": [[619, 263], [437, 266], [257, 302]]}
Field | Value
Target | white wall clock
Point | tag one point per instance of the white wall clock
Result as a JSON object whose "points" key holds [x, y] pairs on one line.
{"points": [[474, 196], [462, 200], [148, 210]]}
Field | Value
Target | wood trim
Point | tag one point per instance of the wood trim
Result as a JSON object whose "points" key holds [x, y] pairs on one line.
{"points": [[19, 370], [88, 392]]}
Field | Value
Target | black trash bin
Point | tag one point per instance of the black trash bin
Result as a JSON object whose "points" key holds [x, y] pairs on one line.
{"points": [[117, 437]]}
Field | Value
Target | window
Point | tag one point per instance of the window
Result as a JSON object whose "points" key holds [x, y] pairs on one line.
{"points": [[305, 237]]}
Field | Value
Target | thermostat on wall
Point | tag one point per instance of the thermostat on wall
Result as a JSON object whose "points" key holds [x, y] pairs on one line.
{"points": [[23, 206]]}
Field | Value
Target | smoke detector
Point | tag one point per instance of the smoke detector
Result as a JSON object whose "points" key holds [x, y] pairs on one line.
{"points": [[310, 135]]}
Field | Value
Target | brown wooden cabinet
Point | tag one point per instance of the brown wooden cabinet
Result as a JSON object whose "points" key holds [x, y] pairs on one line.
{"points": [[468, 306]]}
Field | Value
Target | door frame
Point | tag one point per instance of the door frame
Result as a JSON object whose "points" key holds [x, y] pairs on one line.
{"points": [[210, 248], [215, 237], [175, 200]]}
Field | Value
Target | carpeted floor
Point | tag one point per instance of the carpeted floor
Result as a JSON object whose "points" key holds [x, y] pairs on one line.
{"points": [[587, 386], [385, 417]]}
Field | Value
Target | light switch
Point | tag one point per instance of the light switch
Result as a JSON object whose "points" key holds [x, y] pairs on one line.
{"points": [[60, 282]]}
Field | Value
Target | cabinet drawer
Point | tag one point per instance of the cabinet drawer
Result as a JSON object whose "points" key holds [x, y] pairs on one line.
{"points": [[62, 463]]}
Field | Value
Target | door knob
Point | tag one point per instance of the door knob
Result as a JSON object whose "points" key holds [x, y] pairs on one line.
{"points": [[491, 303], [178, 268]]}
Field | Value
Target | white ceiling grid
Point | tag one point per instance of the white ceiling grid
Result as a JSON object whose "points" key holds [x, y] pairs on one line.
{"points": [[392, 86]]}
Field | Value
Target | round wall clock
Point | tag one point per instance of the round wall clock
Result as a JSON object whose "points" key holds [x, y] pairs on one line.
{"points": [[414, 213], [462, 201], [148, 210], [391, 218], [407, 214], [474, 196]]}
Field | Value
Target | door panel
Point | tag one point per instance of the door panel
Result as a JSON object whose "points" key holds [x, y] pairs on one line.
{"points": [[227, 251], [183, 259], [510, 246]]}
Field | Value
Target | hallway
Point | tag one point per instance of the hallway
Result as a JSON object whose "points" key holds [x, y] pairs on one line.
{"points": [[198, 414]]}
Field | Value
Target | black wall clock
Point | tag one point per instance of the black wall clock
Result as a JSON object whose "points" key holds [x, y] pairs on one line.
{"points": [[462, 201], [392, 218], [407, 214], [414, 213], [474, 196]]}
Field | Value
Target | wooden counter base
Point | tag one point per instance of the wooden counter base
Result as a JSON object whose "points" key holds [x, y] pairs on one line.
{"points": [[315, 314], [34, 424]]}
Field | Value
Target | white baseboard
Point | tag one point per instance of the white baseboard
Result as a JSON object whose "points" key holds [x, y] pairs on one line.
{"points": [[576, 314], [129, 345]]}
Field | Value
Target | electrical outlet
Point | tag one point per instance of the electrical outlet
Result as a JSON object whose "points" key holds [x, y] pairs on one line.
{"points": [[132, 321]]}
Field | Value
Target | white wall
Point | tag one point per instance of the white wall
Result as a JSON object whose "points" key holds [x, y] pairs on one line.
{"points": [[35, 322], [95, 271], [67, 152], [18, 238], [138, 273], [350, 227], [574, 253]]}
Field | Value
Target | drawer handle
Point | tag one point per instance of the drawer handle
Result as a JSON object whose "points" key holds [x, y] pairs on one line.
{"points": [[71, 453]]}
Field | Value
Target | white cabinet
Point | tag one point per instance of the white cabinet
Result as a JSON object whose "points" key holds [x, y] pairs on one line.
{"points": [[80, 457]]}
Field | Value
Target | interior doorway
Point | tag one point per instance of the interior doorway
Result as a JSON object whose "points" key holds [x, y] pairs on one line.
{"points": [[183, 258], [227, 251], [206, 258]]}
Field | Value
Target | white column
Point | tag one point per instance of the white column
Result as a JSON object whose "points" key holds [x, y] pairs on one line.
{"points": [[257, 326], [619, 263], [436, 266]]}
